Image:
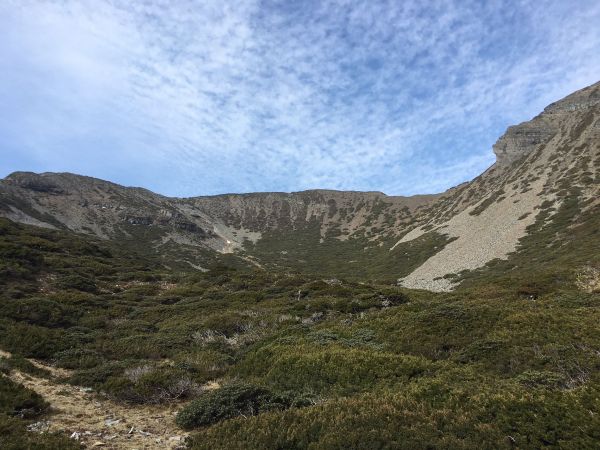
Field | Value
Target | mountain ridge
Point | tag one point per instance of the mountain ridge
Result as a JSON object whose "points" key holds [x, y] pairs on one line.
{"points": [[424, 240]]}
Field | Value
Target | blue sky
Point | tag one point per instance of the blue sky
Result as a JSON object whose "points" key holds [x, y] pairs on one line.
{"points": [[213, 96]]}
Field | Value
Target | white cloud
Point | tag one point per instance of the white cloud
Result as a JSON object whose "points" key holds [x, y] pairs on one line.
{"points": [[203, 97]]}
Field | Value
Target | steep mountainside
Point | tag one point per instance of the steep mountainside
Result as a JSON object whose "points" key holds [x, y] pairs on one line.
{"points": [[542, 167], [544, 183]]}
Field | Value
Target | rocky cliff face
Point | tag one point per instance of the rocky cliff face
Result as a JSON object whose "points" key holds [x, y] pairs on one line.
{"points": [[422, 239], [520, 140]]}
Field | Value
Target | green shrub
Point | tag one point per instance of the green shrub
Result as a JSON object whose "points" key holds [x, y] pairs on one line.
{"points": [[147, 384], [78, 283], [230, 401], [18, 401], [205, 364], [33, 341], [545, 378], [78, 358], [361, 337], [36, 311], [227, 323], [95, 377], [17, 362], [331, 369]]}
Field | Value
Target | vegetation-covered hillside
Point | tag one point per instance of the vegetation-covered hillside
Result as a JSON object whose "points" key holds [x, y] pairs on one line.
{"points": [[267, 359]]}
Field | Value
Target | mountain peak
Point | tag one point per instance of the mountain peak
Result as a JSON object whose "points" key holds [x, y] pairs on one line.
{"points": [[520, 140]]}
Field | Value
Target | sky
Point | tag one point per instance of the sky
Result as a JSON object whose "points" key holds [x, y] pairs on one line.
{"points": [[189, 97]]}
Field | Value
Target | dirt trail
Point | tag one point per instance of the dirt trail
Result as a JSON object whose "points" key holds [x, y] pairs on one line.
{"points": [[100, 423]]}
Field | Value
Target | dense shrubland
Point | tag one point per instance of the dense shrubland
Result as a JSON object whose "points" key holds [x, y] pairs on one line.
{"points": [[261, 359]]}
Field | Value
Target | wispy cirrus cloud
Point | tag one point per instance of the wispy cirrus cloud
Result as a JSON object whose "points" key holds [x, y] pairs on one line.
{"points": [[192, 97]]}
